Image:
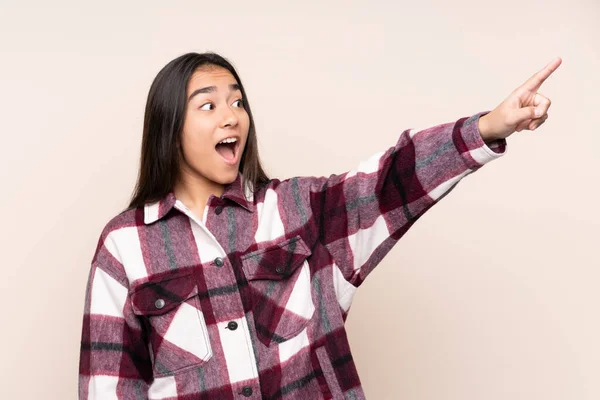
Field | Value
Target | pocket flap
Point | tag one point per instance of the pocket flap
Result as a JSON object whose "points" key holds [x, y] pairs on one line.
{"points": [[161, 294], [276, 262]]}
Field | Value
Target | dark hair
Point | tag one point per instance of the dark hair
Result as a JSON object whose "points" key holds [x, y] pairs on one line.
{"points": [[163, 126]]}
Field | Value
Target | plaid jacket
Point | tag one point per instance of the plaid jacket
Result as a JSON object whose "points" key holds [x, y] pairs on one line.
{"points": [[250, 301]]}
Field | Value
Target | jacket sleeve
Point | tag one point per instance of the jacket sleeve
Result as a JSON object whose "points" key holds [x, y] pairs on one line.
{"points": [[361, 214], [114, 360]]}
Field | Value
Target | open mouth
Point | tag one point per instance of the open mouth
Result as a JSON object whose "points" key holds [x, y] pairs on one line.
{"points": [[228, 149]]}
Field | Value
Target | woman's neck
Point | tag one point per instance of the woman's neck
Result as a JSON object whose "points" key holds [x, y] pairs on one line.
{"points": [[195, 191]]}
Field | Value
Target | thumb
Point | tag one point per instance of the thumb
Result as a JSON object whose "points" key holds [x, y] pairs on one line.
{"points": [[526, 113]]}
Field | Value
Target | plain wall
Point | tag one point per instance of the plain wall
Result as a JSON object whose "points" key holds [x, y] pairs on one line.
{"points": [[493, 294]]}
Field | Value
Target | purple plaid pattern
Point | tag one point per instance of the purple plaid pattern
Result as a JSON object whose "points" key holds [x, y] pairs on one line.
{"points": [[249, 300]]}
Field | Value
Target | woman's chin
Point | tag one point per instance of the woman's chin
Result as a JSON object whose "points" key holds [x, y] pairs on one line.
{"points": [[226, 178]]}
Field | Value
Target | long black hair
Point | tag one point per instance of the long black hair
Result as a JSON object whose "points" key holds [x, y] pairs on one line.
{"points": [[163, 127]]}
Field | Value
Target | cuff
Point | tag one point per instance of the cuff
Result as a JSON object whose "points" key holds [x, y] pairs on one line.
{"points": [[469, 143]]}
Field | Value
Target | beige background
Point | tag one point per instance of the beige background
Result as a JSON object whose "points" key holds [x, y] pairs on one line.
{"points": [[493, 294]]}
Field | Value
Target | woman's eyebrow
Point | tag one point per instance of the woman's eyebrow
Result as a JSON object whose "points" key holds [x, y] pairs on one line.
{"points": [[209, 89]]}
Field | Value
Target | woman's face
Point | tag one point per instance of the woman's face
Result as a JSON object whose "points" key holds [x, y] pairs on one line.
{"points": [[214, 113]]}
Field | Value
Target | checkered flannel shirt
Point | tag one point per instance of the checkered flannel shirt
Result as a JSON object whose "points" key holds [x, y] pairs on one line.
{"points": [[249, 301]]}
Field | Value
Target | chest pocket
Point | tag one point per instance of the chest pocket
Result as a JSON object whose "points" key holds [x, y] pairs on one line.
{"points": [[170, 307], [279, 280]]}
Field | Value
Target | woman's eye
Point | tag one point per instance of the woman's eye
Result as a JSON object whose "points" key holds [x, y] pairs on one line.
{"points": [[240, 101], [206, 105]]}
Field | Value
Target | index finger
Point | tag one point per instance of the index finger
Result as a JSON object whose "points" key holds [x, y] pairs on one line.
{"points": [[534, 83]]}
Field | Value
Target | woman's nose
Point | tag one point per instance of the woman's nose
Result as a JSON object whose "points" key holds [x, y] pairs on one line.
{"points": [[229, 118]]}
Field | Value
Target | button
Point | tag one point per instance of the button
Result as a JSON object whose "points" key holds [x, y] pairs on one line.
{"points": [[279, 270], [219, 210], [247, 391], [232, 325], [160, 303], [219, 262]]}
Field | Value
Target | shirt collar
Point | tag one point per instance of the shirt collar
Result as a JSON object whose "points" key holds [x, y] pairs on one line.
{"points": [[234, 191]]}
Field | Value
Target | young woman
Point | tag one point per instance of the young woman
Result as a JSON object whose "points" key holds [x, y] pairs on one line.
{"points": [[220, 283]]}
